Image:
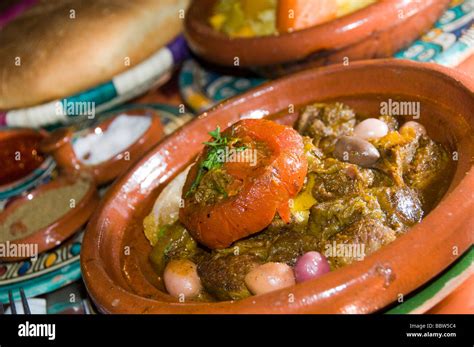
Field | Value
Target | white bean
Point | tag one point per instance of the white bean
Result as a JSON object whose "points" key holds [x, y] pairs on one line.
{"points": [[181, 278], [419, 129], [269, 277], [371, 128]]}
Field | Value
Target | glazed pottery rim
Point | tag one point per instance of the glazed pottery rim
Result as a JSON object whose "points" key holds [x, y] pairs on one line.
{"points": [[368, 271], [57, 229], [340, 27]]}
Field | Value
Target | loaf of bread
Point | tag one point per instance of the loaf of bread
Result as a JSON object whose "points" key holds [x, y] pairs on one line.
{"points": [[61, 47]]}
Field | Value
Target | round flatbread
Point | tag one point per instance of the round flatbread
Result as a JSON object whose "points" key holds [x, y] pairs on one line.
{"points": [[58, 48]]}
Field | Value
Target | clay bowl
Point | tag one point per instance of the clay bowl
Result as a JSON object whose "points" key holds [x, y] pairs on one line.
{"points": [[59, 144], [58, 231], [28, 172], [377, 31], [120, 283]]}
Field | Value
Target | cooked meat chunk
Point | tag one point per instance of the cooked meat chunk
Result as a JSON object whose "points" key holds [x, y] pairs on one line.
{"points": [[314, 155], [427, 170], [335, 179], [224, 276], [381, 179], [329, 218], [397, 150], [359, 240], [402, 206], [325, 123], [289, 246], [397, 208], [256, 246], [174, 242]]}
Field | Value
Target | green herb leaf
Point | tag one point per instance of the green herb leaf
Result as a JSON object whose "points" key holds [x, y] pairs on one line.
{"points": [[212, 161]]}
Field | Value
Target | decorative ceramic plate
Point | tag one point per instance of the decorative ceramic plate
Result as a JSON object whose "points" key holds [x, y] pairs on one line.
{"points": [[49, 282], [14, 272], [203, 88], [450, 41]]}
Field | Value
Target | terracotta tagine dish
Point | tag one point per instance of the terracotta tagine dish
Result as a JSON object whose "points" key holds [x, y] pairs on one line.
{"points": [[376, 29], [108, 149], [129, 265]]}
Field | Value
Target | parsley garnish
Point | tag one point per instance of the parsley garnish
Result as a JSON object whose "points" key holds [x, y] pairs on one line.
{"points": [[212, 161]]}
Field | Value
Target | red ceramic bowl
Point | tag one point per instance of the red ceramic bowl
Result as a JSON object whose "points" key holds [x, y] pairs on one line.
{"points": [[59, 144], [120, 283], [21, 174], [58, 231], [377, 31]]}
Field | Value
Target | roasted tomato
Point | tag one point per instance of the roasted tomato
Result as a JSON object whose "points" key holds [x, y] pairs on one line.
{"points": [[246, 175]]}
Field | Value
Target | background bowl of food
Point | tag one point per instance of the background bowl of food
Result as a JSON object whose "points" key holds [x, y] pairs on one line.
{"points": [[108, 149], [276, 37], [46, 216], [134, 261]]}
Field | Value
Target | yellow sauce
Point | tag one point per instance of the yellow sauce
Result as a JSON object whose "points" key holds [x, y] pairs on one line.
{"points": [[248, 18]]}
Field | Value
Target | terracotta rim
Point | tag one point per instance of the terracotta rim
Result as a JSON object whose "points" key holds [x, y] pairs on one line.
{"points": [[277, 49], [58, 231], [358, 288]]}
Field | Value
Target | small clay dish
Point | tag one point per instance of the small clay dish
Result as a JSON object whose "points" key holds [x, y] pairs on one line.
{"points": [[58, 230], [124, 282], [60, 145], [379, 30], [22, 162]]}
